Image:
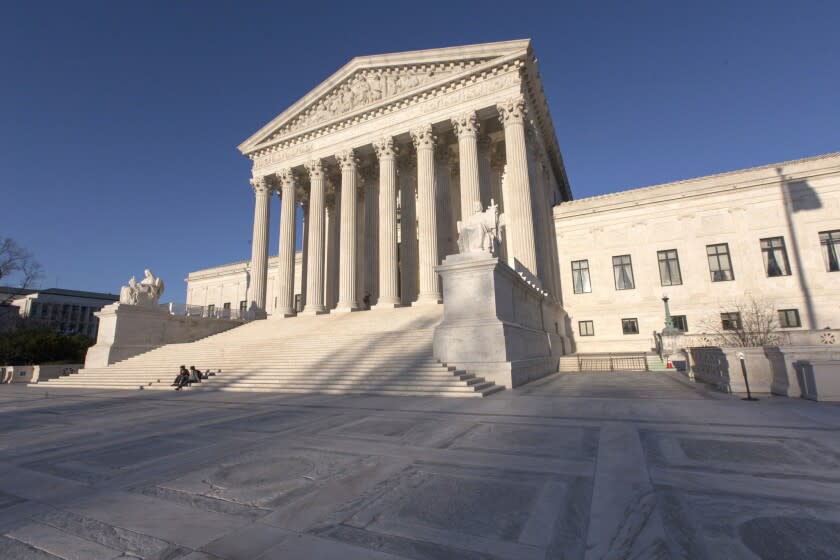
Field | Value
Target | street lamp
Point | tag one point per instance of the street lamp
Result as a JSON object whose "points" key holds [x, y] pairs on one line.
{"points": [[669, 329]]}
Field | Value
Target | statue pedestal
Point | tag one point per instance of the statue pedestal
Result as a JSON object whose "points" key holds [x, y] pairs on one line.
{"points": [[495, 324], [129, 330]]}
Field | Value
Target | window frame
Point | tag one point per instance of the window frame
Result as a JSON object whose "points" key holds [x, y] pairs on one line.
{"points": [[668, 260], [630, 321], [728, 317], [684, 319], [786, 324], [770, 251], [830, 249], [621, 265], [591, 329], [717, 256], [580, 272]]}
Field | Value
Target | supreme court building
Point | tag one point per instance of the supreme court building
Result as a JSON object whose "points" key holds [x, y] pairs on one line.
{"points": [[392, 151]]}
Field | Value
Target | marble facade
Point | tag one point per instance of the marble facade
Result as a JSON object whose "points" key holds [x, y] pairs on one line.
{"points": [[384, 158]]}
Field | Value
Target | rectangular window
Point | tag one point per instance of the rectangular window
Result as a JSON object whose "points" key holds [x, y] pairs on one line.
{"points": [[630, 326], [830, 243], [211, 310], [226, 305], [775, 256], [720, 265], [623, 271], [680, 322], [730, 321], [243, 306], [789, 318], [669, 267], [587, 328], [580, 277]]}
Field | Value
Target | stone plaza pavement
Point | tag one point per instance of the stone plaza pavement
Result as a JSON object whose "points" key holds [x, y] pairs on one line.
{"points": [[594, 465]]}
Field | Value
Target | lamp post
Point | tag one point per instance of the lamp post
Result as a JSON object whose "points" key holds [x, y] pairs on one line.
{"points": [[669, 329]]}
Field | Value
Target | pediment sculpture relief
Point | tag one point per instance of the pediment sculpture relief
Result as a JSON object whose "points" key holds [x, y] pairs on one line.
{"points": [[370, 86], [146, 292]]}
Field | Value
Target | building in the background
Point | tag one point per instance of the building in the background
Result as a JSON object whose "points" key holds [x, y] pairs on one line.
{"points": [[67, 311], [770, 233], [225, 287]]}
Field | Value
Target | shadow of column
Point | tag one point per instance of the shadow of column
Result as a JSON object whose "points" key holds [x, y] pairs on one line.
{"points": [[799, 196]]}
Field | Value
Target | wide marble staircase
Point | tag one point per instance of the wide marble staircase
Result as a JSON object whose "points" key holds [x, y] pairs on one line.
{"points": [[385, 352]]}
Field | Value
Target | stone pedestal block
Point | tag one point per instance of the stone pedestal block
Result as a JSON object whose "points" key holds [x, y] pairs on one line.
{"points": [[129, 330], [495, 324]]}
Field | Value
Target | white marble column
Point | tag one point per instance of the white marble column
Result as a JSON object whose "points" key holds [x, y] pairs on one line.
{"points": [[516, 188], [347, 241], [386, 151], [315, 245], [333, 229], [286, 260], [455, 198], [466, 127], [424, 142], [361, 225], [259, 248], [446, 226], [304, 259], [484, 182], [408, 230], [371, 277]]}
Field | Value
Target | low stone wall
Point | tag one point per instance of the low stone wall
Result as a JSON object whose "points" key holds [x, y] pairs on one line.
{"points": [[720, 367], [129, 330], [495, 324], [798, 374]]}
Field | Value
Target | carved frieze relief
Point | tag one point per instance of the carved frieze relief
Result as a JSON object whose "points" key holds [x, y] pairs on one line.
{"points": [[370, 86]]}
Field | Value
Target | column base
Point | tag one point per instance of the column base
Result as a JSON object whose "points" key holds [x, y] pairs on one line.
{"points": [[388, 304], [428, 299], [284, 313], [346, 307], [311, 310]]}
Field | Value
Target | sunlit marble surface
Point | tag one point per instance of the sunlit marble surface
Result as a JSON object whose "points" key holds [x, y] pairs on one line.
{"points": [[590, 466]]}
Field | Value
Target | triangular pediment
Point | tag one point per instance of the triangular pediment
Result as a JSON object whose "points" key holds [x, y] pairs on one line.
{"points": [[369, 81]]}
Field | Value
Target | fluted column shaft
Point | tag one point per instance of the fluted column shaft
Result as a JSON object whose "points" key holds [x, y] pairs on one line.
{"points": [[484, 180], [371, 276], [315, 243], [347, 253], [443, 206], [408, 232], [466, 127], [516, 188], [286, 262], [304, 257], [333, 232], [386, 151], [361, 225], [259, 248], [424, 142]]}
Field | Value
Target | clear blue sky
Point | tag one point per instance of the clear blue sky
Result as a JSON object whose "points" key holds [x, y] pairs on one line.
{"points": [[119, 121]]}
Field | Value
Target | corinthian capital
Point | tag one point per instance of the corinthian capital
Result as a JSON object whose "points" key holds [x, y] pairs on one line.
{"points": [[466, 124], [260, 185], [386, 148], [287, 179], [512, 111], [347, 160], [315, 168], [423, 137]]}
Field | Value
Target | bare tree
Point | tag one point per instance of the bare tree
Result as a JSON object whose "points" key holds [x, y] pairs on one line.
{"points": [[17, 265], [748, 322]]}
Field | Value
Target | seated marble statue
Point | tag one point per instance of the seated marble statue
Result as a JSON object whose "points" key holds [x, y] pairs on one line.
{"points": [[479, 232], [145, 292]]}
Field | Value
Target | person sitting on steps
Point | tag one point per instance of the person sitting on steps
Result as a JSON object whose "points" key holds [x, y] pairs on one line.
{"points": [[195, 375], [182, 379]]}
